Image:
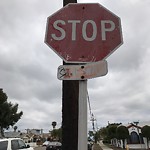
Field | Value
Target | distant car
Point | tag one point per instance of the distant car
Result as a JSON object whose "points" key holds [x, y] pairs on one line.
{"points": [[14, 144], [54, 146], [46, 143]]}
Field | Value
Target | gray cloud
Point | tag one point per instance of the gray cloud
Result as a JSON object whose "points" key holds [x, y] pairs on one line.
{"points": [[28, 67]]}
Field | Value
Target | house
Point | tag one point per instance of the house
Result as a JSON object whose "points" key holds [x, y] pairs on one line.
{"points": [[12, 134], [28, 135], [35, 131], [31, 136], [136, 139]]}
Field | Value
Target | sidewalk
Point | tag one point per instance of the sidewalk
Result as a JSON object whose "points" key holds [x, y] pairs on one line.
{"points": [[100, 146], [104, 147]]}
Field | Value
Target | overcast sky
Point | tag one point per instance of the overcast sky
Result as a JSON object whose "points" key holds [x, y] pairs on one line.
{"points": [[28, 67]]}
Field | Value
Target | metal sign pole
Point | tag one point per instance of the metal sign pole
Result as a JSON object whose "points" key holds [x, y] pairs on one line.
{"points": [[82, 116]]}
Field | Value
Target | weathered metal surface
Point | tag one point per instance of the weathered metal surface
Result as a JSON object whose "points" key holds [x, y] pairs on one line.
{"points": [[82, 116], [83, 32], [82, 72]]}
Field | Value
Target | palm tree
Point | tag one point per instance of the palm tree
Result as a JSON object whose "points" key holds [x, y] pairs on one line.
{"points": [[15, 128], [54, 123]]}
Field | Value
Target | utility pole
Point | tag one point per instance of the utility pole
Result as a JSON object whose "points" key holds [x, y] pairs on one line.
{"points": [[70, 94], [65, 2]]}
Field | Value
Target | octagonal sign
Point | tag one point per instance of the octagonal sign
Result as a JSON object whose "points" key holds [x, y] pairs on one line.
{"points": [[83, 32]]}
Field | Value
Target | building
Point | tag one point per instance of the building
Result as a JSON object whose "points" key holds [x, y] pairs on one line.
{"points": [[136, 139]]}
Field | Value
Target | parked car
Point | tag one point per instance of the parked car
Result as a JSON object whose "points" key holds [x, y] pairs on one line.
{"points": [[46, 143], [14, 144], [54, 146]]}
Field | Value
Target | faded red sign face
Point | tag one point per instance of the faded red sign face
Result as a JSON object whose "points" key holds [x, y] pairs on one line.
{"points": [[83, 33]]}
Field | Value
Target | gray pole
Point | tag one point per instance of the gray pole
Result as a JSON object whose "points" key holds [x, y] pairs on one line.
{"points": [[82, 120]]}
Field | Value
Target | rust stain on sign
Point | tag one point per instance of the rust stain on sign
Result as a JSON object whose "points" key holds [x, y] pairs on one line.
{"points": [[82, 72]]}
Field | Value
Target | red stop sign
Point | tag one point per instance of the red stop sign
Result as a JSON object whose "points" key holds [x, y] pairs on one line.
{"points": [[83, 32]]}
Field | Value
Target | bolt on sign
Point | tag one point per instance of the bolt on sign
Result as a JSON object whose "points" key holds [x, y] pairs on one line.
{"points": [[83, 32]]}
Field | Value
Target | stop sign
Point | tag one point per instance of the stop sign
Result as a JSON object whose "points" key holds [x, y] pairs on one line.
{"points": [[83, 32]]}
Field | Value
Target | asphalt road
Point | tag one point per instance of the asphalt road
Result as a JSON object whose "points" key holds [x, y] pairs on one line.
{"points": [[40, 148]]}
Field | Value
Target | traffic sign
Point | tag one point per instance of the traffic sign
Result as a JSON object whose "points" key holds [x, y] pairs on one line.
{"points": [[82, 72], [83, 32]]}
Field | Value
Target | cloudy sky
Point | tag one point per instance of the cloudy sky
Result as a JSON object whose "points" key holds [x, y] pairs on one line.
{"points": [[28, 67]]}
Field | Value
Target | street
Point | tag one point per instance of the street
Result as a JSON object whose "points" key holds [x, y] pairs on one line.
{"points": [[40, 148]]}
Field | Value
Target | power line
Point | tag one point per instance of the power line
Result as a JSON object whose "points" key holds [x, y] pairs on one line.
{"points": [[89, 103], [92, 118]]}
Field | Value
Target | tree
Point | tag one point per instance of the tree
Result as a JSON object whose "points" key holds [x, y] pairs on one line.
{"points": [[8, 113], [122, 134], [104, 134], [112, 130], [96, 136], [146, 133], [54, 123], [57, 134]]}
